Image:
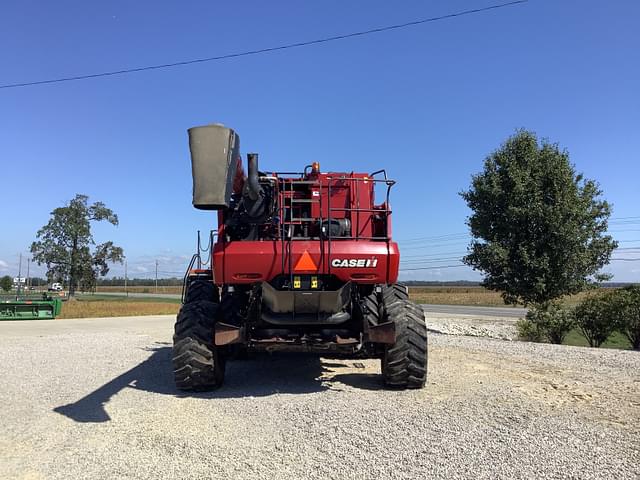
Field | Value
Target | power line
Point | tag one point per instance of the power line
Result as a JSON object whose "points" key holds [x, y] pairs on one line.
{"points": [[457, 266], [448, 259], [457, 237], [431, 268], [420, 255], [619, 223], [450, 236], [435, 245], [263, 50], [418, 244], [429, 260]]}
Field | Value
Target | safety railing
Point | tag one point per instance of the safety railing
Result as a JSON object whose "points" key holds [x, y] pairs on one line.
{"points": [[196, 262], [286, 193]]}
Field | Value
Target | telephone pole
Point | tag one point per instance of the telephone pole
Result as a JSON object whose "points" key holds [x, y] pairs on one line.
{"points": [[125, 278], [28, 284], [156, 276], [19, 277]]}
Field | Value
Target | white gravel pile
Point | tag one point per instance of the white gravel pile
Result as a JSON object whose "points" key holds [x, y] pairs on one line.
{"points": [[101, 404], [475, 326]]}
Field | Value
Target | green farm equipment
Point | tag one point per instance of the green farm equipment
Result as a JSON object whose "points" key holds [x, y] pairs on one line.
{"points": [[44, 307]]}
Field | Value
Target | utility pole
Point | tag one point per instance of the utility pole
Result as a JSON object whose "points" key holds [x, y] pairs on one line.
{"points": [[125, 278], [28, 278], [19, 277], [156, 276]]}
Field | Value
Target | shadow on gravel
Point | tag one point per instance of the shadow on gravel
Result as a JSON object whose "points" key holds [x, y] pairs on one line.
{"points": [[261, 375], [363, 381]]}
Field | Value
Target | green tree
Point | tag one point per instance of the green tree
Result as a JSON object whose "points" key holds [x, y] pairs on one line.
{"points": [[64, 244], [595, 317], [538, 227], [552, 320], [626, 311], [6, 283]]}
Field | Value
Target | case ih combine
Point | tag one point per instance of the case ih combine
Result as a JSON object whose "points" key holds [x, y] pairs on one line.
{"points": [[302, 262]]}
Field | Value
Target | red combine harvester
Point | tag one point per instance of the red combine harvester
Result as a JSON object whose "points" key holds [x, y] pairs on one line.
{"points": [[302, 262]]}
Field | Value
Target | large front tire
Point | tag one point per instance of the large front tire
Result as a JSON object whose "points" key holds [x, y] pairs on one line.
{"points": [[404, 363], [197, 363]]}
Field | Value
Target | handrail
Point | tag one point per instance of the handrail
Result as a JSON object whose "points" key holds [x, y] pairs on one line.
{"points": [[197, 258], [288, 197]]}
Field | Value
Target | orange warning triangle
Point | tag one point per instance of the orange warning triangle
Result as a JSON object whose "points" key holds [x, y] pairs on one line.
{"points": [[305, 262]]}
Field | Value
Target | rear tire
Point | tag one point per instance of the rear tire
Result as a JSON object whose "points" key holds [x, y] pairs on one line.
{"points": [[393, 293], [374, 309], [404, 363], [199, 289], [197, 363]]}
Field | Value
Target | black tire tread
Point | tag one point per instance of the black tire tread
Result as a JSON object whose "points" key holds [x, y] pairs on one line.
{"points": [[404, 364], [390, 295], [201, 290], [229, 311], [393, 293], [196, 363]]}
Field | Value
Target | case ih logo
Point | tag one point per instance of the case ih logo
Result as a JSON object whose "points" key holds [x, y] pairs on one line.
{"points": [[354, 262]]}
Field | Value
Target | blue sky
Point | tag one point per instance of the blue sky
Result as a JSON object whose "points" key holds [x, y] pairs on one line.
{"points": [[427, 103]]}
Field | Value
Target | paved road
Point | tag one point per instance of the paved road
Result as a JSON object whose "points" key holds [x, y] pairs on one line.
{"points": [[445, 309], [94, 398]]}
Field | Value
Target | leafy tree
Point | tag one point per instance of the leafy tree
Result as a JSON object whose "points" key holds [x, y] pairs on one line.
{"points": [[553, 320], [594, 316], [6, 283], [529, 330], [626, 311], [538, 227], [64, 244]]}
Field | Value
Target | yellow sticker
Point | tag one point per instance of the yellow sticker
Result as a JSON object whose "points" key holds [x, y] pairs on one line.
{"points": [[296, 282]]}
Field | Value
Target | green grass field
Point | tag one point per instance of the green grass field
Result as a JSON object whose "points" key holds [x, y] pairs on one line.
{"points": [[616, 340]]}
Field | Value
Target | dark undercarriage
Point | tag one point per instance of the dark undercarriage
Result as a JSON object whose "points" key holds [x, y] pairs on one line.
{"points": [[329, 321]]}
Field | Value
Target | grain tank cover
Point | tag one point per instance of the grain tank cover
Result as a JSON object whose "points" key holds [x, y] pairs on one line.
{"points": [[215, 150]]}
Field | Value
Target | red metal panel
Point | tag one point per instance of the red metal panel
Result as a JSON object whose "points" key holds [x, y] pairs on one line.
{"points": [[254, 261]]}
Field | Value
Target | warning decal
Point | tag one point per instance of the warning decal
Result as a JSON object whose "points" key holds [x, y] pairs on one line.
{"points": [[305, 263]]}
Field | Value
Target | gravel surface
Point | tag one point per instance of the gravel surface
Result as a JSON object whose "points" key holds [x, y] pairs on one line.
{"points": [[503, 328], [94, 399]]}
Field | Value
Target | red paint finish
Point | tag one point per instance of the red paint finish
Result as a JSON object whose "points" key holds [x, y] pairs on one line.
{"points": [[363, 252], [251, 261]]}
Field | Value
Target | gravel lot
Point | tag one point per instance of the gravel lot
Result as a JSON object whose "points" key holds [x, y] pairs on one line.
{"points": [[503, 328], [94, 399]]}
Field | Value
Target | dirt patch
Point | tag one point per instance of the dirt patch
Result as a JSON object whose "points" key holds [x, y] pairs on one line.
{"points": [[519, 374]]}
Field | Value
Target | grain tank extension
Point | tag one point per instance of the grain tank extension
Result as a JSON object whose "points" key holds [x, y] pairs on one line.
{"points": [[302, 262]]}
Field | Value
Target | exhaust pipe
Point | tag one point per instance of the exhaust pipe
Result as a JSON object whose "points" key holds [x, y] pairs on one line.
{"points": [[254, 198], [253, 185]]}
